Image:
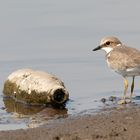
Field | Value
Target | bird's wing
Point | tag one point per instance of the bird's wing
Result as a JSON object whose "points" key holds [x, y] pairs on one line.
{"points": [[125, 57]]}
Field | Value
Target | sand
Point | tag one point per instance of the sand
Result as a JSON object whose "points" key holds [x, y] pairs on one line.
{"points": [[118, 123]]}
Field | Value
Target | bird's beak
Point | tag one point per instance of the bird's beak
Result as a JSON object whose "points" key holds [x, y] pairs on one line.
{"points": [[97, 48]]}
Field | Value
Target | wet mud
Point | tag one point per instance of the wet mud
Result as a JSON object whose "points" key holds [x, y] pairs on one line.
{"points": [[107, 124]]}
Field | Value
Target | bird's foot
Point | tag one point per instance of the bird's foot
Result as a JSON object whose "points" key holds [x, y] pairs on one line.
{"points": [[124, 101], [129, 100], [120, 102]]}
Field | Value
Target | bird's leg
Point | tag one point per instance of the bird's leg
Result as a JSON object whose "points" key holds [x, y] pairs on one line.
{"points": [[125, 87], [132, 88], [123, 101]]}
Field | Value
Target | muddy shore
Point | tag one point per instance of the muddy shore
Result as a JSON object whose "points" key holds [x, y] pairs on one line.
{"points": [[121, 123]]}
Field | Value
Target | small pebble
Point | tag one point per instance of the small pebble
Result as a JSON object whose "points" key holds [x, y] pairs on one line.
{"points": [[103, 100], [112, 98]]}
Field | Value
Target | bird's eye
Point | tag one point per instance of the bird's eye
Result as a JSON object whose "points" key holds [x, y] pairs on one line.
{"points": [[107, 43]]}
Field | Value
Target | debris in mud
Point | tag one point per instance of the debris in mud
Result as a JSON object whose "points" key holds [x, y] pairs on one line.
{"points": [[112, 98], [137, 98], [103, 100], [35, 88], [109, 99], [118, 101]]}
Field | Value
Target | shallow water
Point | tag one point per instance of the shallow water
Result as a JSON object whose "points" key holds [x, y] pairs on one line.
{"points": [[58, 37]]}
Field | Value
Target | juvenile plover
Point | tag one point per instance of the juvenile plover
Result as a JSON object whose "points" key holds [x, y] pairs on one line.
{"points": [[122, 59]]}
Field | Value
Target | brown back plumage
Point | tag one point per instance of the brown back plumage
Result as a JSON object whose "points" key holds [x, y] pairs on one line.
{"points": [[123, 57]]}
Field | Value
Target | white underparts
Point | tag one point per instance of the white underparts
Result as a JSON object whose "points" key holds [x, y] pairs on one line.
{"points": [[107, 49], [118, 45]]}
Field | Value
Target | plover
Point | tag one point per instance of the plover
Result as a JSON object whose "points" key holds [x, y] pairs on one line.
{"points": [[122, 59]]}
